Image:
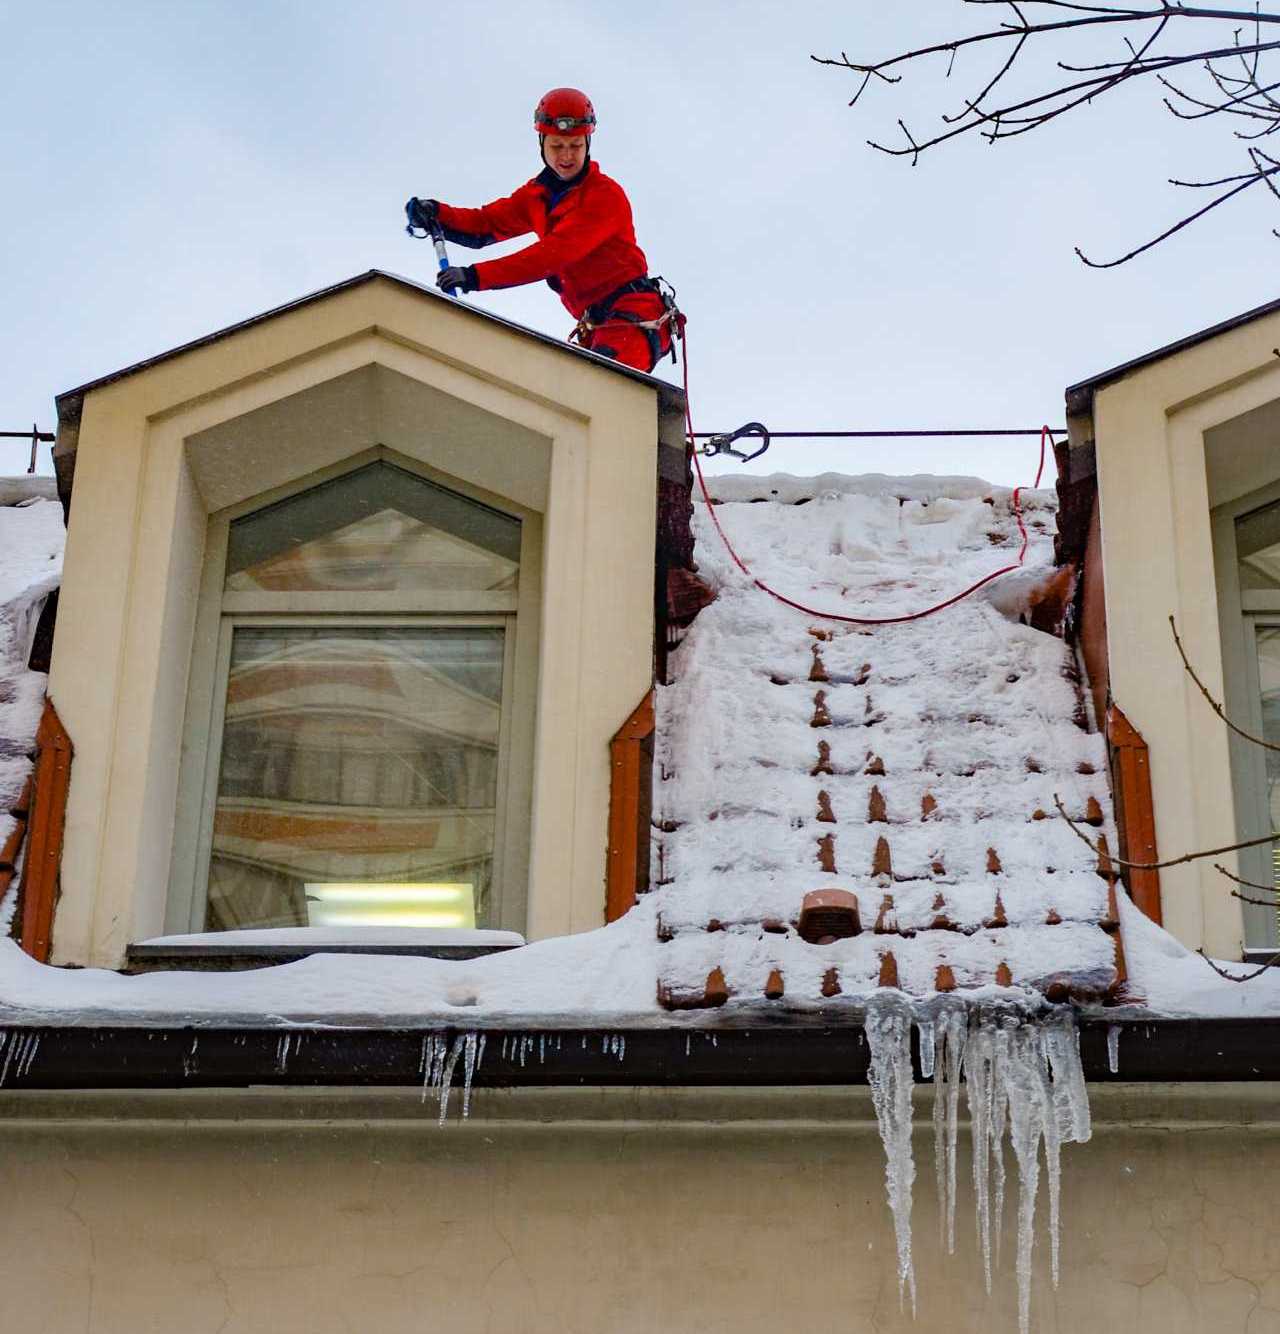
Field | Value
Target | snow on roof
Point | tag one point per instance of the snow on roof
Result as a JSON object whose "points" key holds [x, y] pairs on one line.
{"points": [[605, 973], [914, 766], [972, 709], [31, 539]]}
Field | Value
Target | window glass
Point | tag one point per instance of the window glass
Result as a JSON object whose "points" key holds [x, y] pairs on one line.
{"points": [[359, 776], [1269, 680], [377, 529], [1258, 548]]}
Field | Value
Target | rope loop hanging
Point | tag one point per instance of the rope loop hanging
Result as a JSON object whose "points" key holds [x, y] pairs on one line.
{"points": [[1046, 438]]}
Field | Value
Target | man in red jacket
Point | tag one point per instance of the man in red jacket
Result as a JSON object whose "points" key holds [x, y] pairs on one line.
{"points": [[586, 248]]}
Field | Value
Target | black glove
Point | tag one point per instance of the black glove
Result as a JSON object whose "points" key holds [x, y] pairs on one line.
{"points": [[421, 213], [462, 279]]}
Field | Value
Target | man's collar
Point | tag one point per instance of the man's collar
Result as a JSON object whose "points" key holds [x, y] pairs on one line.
{"points": [[557, 188]]}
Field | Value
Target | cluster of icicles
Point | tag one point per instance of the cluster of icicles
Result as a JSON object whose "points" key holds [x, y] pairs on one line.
{"points": [[1023, 1082], [440, 1058]]}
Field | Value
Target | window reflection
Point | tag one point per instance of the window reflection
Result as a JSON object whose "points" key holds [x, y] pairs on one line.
{"points": [[1268, 638], [378, 529], [1258, 549], [361, 756]]}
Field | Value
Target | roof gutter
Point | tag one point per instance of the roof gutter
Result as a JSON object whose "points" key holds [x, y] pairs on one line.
{"points": [[189, 1057]]}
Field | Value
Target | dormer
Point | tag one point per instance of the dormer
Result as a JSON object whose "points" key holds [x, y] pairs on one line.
{"points": [[356, 595]]}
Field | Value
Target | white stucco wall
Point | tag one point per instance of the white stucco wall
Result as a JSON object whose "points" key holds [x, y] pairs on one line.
{"points": [[1156, 484], [593, 1212]]}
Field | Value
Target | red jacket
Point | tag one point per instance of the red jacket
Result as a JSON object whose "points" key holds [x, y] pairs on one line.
{"points": [[587, 242]]}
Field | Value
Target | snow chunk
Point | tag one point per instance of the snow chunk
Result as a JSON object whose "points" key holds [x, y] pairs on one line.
{"points": [[1173, 981]]}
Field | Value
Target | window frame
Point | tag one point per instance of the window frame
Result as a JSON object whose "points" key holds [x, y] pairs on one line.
{"points": [[1240, 612], [220, 612]]}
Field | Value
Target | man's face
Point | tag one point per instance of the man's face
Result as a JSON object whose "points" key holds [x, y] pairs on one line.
{"points": [[565, 154]]}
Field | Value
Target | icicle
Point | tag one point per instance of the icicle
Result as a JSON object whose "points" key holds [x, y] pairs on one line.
{"points": [[979, 1060], [890, 1076], [622, 1047], [282, 1052], [542, 1048], [1070, 1121], [688, 1038], [1026, 1097], [429, 1061], [996, 1128], [947, 1117], [1113, 1048], [446, 1074], [19, 1051], [473, 1048], [925, 1033]]}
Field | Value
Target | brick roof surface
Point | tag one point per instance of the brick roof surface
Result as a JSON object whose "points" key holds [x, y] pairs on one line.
{"points": [[913, 767]]}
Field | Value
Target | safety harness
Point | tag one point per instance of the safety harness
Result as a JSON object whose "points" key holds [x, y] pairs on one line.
{"points": [[601, 315]]}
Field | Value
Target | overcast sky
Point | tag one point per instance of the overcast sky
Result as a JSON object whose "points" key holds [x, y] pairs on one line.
{"points": [[169, 169]]}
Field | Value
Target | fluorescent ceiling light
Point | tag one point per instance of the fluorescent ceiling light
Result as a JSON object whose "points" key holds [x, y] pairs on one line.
{"points": [[390, 903]]}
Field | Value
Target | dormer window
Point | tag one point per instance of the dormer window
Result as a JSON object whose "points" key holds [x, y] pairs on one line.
{"points": [[357, 771]]}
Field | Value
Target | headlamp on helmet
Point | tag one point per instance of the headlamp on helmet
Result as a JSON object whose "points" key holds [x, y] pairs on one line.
{"points": [[565, 111]]}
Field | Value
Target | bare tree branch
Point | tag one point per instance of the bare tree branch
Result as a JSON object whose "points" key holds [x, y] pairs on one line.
{"points": [[1248, 884], [1252, 179], [1213, 703], [1148, 32], [1248, 977], [1159, 866]]}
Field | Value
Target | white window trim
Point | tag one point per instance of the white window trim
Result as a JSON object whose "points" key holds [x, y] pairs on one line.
{"points": [[220, 612], [1240, 612]]}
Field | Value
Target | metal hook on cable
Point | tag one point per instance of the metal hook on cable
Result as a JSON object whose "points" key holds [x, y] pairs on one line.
{"points": [[723, 444]]}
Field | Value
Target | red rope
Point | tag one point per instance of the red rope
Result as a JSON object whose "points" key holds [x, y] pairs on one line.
{"points": [[1045, 435]]}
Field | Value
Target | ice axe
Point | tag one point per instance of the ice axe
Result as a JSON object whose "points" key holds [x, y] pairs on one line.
{"points": [[442, 257], [420, 228]]}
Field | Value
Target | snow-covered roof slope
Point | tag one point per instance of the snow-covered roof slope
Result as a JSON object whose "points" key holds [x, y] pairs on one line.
{"points": [[914, 765], [31, 539]]}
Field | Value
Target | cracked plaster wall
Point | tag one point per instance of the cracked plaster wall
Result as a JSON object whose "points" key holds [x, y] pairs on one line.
{"points": [[601, 1214]]}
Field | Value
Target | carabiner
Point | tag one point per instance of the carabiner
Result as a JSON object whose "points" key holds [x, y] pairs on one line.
{"points": [[723, 444]]}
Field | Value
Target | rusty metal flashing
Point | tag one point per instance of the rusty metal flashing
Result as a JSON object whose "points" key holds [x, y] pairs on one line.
{"points": [[12, 850], [676, 1055], [39, 885], [1135, 810], [630, 805]]}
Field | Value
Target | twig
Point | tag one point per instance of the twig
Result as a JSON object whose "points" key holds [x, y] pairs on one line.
{"points": [[1235, 71], [1213, 703], [1168, 232], [1248, 884], [1158, 866], [1248, 977], [1247, 898]]}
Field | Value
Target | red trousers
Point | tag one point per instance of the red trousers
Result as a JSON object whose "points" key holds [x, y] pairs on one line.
{"points": [[619, 337]]}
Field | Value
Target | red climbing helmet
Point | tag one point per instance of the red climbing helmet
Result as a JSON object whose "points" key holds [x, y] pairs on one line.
{"points": [[565, 111]]}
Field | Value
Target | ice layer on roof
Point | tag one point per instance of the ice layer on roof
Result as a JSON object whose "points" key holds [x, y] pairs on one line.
{"points": [[913, 765]]}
